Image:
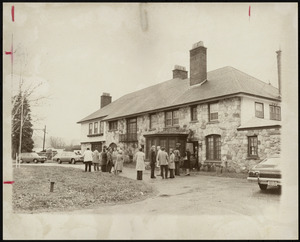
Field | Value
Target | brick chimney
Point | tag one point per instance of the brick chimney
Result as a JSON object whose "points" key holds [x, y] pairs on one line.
{"points": [[180, 72], [279, 70], [105, 99], [198, 70]]}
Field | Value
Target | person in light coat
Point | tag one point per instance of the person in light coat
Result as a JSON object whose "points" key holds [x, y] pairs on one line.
{"points": [[87, 159], [162, 159], [172, 163], [140, 163], [114, 159], [96, 160], [119, 162]]}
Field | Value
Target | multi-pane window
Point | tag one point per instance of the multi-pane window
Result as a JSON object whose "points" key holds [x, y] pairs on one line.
{"points": [[172, 118], [113, 125], [175, 117], [213, 111], [131, 126], [252, 146], [102, 127], [259, 110], [95, 127], [275, 112], [90, 128], [153, 121], [213, 147], [194, 113]]}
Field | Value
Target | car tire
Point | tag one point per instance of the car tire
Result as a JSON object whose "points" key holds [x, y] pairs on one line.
{"points": [[35, 160], [73, 161], [263, 186], [28, 161], [58, 161], [21, 161], [42, 161]]}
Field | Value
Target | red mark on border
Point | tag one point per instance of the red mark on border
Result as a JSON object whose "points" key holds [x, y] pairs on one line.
{"points": [[13, 13], [11, 52], [8, 182], [249, 11]]}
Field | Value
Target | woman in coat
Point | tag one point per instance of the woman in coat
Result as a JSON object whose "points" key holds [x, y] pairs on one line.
{"points": [[96, 160], [114, 159], [140, 163], [119, 162], [172, 163]]}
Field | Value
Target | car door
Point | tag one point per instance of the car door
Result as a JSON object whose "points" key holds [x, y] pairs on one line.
{"points": [[63, 157]]}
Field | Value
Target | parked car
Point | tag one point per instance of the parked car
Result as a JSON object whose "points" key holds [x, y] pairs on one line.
{"points": [[34, 157], [266, 173], [68, 156]]}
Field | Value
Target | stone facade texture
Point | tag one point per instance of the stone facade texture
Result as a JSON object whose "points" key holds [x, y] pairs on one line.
{"points": [[234, 143]]}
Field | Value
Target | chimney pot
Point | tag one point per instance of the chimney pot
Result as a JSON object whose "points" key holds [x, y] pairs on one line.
{"points": [[105, 99], [198, 44]]}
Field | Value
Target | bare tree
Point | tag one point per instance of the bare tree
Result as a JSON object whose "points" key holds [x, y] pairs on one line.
{"points": [[57, 142]]}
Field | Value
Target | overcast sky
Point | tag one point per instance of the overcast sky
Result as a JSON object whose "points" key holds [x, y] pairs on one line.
{"points": [[81, 50]]}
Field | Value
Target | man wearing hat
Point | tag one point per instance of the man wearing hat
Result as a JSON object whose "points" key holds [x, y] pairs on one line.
{"points": [[152, 161]]}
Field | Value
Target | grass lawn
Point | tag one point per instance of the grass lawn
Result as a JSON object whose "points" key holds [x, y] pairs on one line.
{"points": [[73, 189]]}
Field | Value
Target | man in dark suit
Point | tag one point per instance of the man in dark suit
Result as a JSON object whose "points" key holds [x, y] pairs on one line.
{"points": [[152, 161]]}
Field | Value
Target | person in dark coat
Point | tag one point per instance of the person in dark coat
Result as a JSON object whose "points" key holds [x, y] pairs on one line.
{"points": [[103, 160], [187, 162], [152, 161], [177, 161], [109, 160]]}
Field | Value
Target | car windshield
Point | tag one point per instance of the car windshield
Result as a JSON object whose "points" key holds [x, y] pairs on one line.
{"points": [[269, 162]]}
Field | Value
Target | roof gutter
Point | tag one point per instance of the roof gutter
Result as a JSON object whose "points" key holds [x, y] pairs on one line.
{"points": [[260, 127]]}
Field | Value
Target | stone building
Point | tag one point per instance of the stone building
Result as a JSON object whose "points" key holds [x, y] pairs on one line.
{"points": [[225, 113]]}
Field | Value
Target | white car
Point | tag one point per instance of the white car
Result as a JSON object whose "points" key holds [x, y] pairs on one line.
{"points": [[67, 156]]}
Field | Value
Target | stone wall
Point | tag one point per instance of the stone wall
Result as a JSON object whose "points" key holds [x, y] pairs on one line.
{"points": [[234, 143]]}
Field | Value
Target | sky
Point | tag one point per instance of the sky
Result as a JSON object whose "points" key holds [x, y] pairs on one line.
{"points": [[80, 50]]}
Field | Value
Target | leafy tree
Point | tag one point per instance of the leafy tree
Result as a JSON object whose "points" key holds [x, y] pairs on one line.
{"points": [[27, 131]]}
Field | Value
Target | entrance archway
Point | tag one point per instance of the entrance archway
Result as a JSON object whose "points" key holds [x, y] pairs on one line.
{"points": [[113, 145]]}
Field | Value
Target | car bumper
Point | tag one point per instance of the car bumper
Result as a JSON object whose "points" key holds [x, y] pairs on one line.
{"points": [[267, 181]]}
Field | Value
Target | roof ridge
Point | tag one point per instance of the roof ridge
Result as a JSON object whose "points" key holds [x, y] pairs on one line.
{"points": [[236, 79], [252, 77]]}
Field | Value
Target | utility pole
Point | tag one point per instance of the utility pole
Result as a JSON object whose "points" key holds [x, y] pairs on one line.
{"points": [[44, 138]]}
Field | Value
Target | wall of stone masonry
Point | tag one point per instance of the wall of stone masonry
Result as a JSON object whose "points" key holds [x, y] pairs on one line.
{"points": [[234, 143]]}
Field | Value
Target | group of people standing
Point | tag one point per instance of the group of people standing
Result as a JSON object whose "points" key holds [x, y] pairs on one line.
{"points": [[109, 159], [169, 162]]}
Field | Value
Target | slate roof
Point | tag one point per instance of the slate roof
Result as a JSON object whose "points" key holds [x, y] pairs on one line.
{"points": [[220, 82]]}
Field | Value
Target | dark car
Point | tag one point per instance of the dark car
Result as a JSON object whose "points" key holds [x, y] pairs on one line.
{"points": [[266, 173], [68, 156], [34, 157]]}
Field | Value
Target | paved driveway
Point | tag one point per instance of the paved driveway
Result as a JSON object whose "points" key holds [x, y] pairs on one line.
{"points": [[195, 194], [206, 207]]}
